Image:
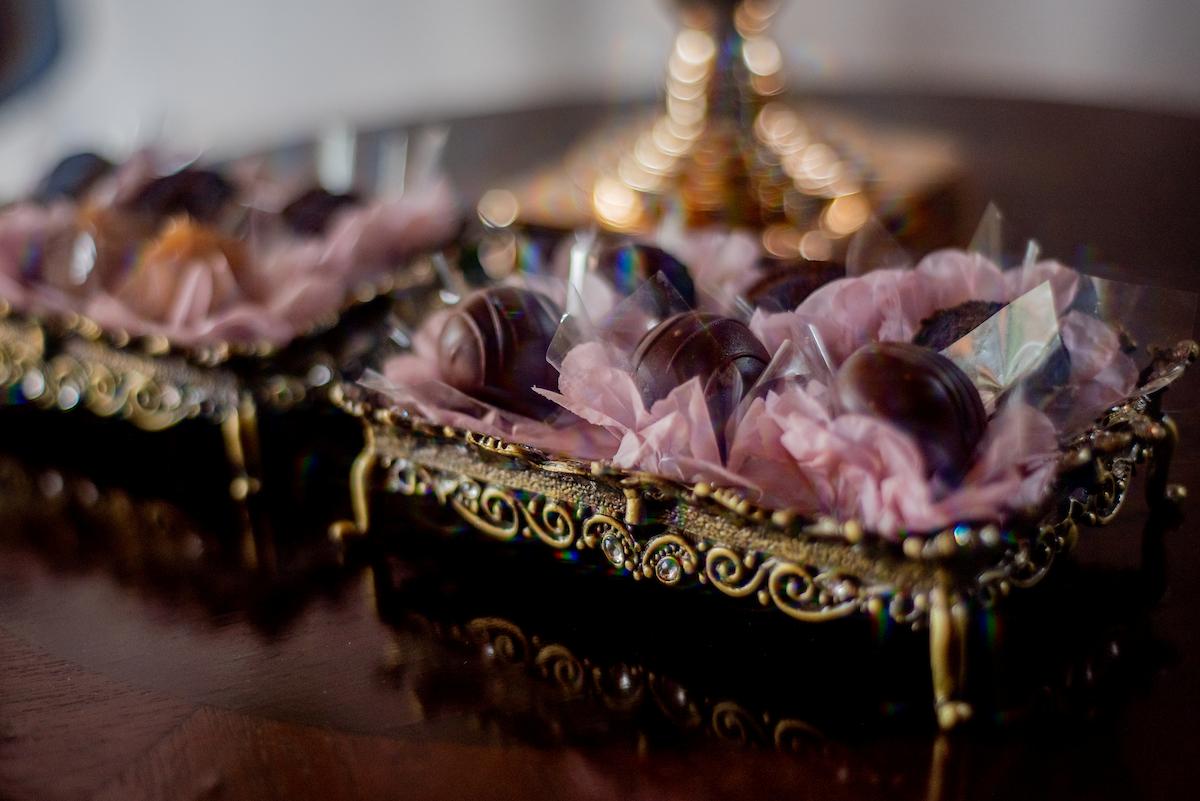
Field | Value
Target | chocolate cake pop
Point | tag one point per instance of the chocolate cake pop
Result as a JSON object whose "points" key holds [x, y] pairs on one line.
{"points": [[922, 393], [493, 347], [721, 352]]}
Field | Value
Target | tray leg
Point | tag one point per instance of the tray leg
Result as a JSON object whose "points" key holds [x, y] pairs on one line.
{"points": [[1158, 487], [948, 621], [240, 430], [244, 454], [360, 490]]}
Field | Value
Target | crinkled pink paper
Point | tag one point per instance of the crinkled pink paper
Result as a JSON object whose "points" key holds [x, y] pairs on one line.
{"points": [[413, 381], [26, 229], [790, 450], [889, 305], [863, 468], [286, 289]]}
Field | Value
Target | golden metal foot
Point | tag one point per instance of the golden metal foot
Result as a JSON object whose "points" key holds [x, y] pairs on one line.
{"points": [[240, 430], [1158, 488], [360, 490], [948, 622]]}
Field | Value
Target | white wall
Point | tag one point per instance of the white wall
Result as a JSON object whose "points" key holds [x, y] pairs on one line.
{"points": [[233, 73]]}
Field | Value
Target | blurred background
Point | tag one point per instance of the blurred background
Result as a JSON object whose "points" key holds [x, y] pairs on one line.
{"points": [[229, 75]]}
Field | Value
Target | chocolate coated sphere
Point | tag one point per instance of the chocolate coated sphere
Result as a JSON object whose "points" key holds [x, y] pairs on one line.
{"points": [[921, 392], [72, 177], [627, 266], [311, 212], [722, 352], [785, 285], [946, 326], [493, 347], [200, 194]]}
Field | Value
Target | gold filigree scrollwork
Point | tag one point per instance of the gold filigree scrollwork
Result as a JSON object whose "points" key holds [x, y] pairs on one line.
{"points": [[668, 558], [733, 722], [613, 539], [1111, 488], [804, 594], [550, 521], [493, 511], [557, 663], [152, 405], [105, 396], [1035, 556], [799, 591], [66, 383], [500, 640], [795, 736], [731, 573]]}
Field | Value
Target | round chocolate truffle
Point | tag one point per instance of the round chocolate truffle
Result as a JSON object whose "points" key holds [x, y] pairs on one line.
{"points": [[311, 212], [72, 177], [201, 194], [493, 347], [946, 326], [723, 353], [628, 265], [785, 285], [921, 392]]}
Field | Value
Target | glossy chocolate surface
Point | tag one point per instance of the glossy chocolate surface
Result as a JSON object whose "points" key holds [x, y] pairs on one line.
{"points": [[72, 177], [493, 347], [198, 193], [722, 352], [785, 285], [946, 326], [921, 392], [628, 265], [312, 211]]}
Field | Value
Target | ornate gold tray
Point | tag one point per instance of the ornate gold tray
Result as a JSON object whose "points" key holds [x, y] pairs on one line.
{"points": [[69, 363], [811, 569]]}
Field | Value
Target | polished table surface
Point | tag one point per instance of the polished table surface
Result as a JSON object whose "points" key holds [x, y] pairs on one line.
{"points": [[158, 642]]}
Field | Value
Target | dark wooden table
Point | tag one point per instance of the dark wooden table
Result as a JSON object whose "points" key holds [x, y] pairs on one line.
{"points": [[155, 642]]}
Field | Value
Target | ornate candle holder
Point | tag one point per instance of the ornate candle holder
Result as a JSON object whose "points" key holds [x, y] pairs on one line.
{"points": [[728, 149]]}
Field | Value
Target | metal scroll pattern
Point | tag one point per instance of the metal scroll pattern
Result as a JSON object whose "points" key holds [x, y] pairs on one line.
{"points": [[805, 592], [1130, 435], [144, 395], [626, 688]]}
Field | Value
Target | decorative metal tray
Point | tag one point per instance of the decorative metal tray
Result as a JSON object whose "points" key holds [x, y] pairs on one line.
{"points": [[811, 569], [70, 364]]}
